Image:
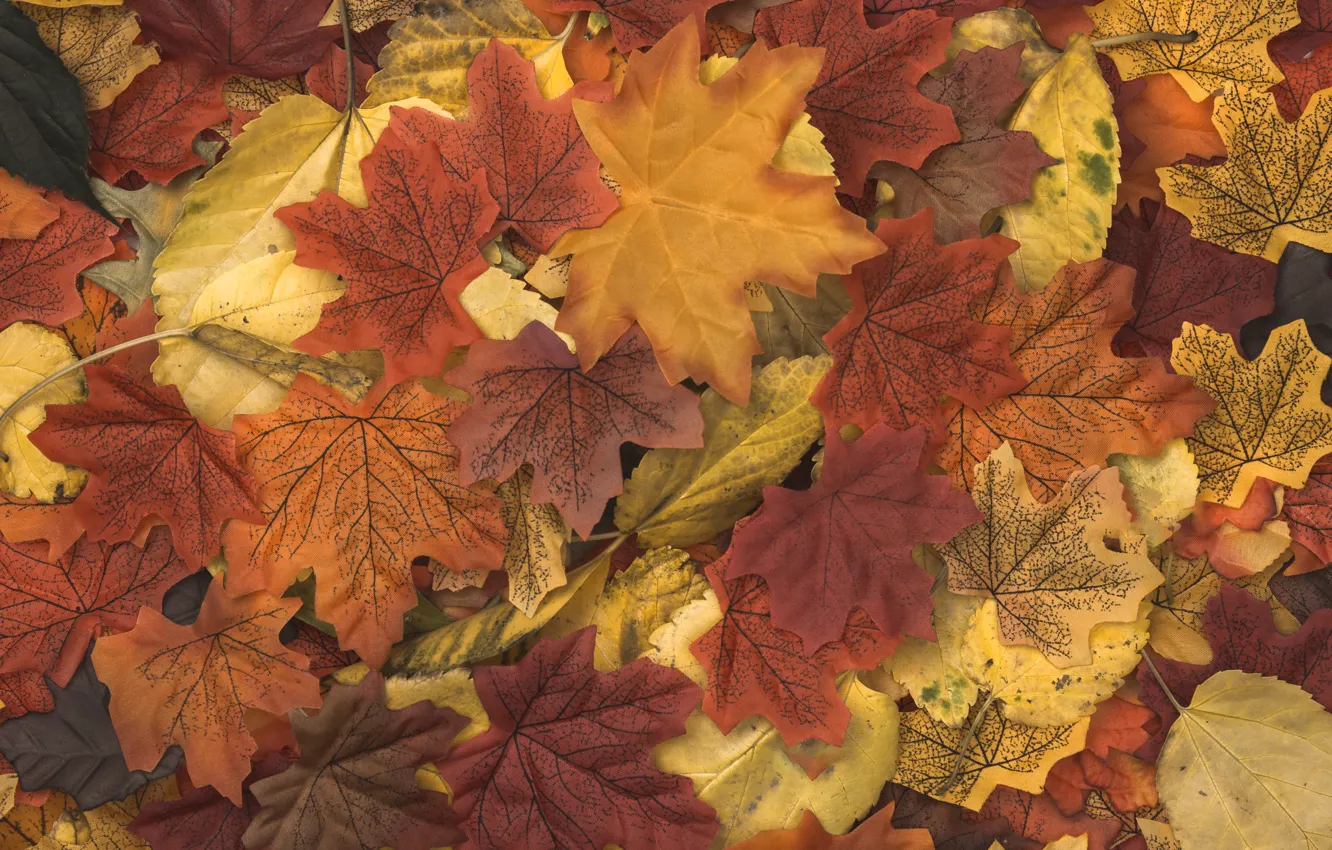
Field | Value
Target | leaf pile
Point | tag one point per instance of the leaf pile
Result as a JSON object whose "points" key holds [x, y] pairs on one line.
{"points": [[665, 424]]}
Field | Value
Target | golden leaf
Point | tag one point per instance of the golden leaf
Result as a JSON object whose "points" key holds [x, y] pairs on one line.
{"points": [[429, 52], [1231, 46], [1002, 28], [963, 767], [501, 306], [534, 555], [454, 689], [549, 276], [1269, 420], [96, 45], [29, 353], [1248, 764], [1161, 488], [1159, 836], [678, 497], [639, 601], [107, 826], [366, 13], [1068, 109], [676, 254], [8, 785], [1048, 564], [1273, 187]]}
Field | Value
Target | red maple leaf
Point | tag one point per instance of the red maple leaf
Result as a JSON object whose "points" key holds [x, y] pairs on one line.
{"points": [[53, 607], [1116, 729], [880, 12], [639, 23], [37, 275], [952, 827], [405, 257], [531, 403], [203, 819], [537, 164], [989, 167], [1038, 819], [1082, 402], [354, 786], [566, 760], [258, 38], [322, 650], [909, 338], [1308, 512], [865, 99], [1313, 30], [847, 540], [29, 519], [327, 80], [1240, 631], [192, 685], [22, 691], [1304, 78], [149, 128], [356, 492], [756, 668], [148, 456], [1182, 279]]}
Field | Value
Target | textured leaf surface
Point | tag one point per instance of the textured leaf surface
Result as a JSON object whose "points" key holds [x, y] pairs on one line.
{"points": [[355, 492], [354, 783], [645, 263], [532, 403], [203, 819], [97, 46], [909, 338], [1269, 419], [847, 540], [149, 457], [565, 762], [1047, 563], [23, 209], [38, 273], [534, 555], [190, 685], [261, 38]]}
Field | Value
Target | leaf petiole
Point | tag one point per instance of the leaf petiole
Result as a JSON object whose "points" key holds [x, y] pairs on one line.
{"points": [[1134, 37], [962, 750], [351, 58], [1150, 666]]}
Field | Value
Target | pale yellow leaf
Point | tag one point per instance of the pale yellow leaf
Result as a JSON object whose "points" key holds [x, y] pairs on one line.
{"points": [[534, 555], [28, 353], [501, 306], [1162, 488]]}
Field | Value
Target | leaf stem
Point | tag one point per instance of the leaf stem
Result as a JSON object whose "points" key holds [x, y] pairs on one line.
{"points": [[606, 535], [1134, 37], [962, 750], [1150, 666], [351, 58], [74, 367]]}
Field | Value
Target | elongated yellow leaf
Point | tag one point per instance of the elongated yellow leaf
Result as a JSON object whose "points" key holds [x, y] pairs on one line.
{"points": [[1248, 766], [678, 497], [1068, 109], [29, 353]]}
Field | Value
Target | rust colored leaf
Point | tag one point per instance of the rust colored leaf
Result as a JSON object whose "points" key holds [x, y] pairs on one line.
{"points": [[639, 23], [23, 209], [37, 275]]}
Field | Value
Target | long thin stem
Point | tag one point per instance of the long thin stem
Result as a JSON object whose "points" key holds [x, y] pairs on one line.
{"points": [[351, 59], [74, 367], [1150, 666], [608, 535], [1134, 37], [965, 747]]}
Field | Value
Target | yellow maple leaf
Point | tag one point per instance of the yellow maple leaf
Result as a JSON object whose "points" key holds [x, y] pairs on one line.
{"points": [[534, 555], [502, 306], [1269, 420], [1273, 187], [1158, 835], [702, 210], [678, 497], [1069, 111], [1048, 564], [1231, 46], [963, 766], [96, 45], [429, 52], [1247, 766], [28, 353]]}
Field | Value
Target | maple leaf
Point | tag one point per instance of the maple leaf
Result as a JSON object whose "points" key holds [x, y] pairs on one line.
{"points": [[989, 166], [1240, 631], [847, 540], [1269, 420], [1047, 564], [909, 338], [149, 128], [260, 38], [951, 826], [203, 819], [531, 403], [23, 209], [148, 457], [1036, 818], [191, 685], [534, 555], [879, 12], [565, 762], [876, 833], [1302, 595], [647, 264], [1230, 46], [428, 53], [354, 783], [640, 23], [1180, 278], [1308, 512], [754, 667], [405, 257], [964, 765], [796, 324], [38, 273], [1082, 403], [537, 164], [55, 605], [1272, 186], [865, 99], [1170, 126], [356, 492], [97, 45], [1303, 80], [23, 691]]}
